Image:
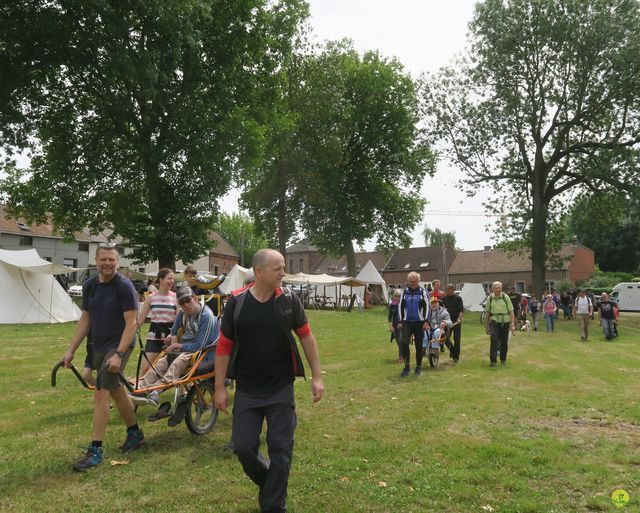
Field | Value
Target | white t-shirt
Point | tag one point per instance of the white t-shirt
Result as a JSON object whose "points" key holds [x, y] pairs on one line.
{"points": [[582, 305]]}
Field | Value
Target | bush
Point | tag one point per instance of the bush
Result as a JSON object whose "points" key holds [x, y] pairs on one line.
{"points": [[605, 281]]}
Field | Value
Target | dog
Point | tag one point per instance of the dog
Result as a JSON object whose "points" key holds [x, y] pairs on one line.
{"points": [[526, 326]]}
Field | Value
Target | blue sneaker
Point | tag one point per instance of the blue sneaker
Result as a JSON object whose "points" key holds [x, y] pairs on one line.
{"points": [[134, 440], [93, 458]]}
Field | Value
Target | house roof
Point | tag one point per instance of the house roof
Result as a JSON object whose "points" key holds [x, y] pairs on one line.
{"points": [[339, 265], [19, 226], [222, 247], [418, 259], [497, 260], [302, 247]]}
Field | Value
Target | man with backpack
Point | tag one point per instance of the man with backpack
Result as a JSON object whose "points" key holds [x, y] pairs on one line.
{"points": [[500, 321], [414, 312], [258, 350], [583, 311]]}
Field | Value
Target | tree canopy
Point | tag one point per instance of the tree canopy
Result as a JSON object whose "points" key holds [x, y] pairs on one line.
{"points": [[239, 231], [608, 222], [356, 154], [146, 114], [438, 237], [545, 103]]}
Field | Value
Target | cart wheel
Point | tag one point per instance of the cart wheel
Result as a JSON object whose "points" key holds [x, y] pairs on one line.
{"points": [[434, 358], [202, 412], [482, 314]]}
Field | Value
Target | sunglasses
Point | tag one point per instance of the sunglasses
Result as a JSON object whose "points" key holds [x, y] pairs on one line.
{"points": [[185, 300]]}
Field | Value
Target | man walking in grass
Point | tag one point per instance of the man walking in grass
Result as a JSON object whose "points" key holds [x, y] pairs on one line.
{"points": [[257, 348], [499, 321], [414, 311], [109, 311], [583, 310]]}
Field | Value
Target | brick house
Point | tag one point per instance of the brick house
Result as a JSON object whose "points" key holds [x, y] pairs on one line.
{"points": [[222, 256], [430, 263], [514, 269], [306, 258]]}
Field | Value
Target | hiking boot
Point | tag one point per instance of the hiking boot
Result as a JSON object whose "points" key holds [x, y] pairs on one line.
{"points": [[134, 440], [418, 371], [180, 412], [405, 372], [93, 458]]}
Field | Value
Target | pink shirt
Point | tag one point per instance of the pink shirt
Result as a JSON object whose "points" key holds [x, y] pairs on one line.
{"points": [[549, 306]]}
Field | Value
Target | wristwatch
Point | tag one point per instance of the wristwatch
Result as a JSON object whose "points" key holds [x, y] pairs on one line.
{"points": [[120, 353]]}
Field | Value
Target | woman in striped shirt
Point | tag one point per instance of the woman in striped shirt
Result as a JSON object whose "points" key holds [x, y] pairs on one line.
{"points": [[162, 305]]}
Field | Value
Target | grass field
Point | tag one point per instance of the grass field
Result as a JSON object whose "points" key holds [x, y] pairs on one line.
{"points": [[556, 430]]}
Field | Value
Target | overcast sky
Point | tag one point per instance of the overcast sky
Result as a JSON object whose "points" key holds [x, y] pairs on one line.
{"points": [[424, 35]]}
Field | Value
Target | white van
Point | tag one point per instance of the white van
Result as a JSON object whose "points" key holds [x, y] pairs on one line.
{"points": [[627, 295]]}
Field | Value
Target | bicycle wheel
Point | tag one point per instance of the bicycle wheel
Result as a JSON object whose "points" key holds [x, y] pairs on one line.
{"points": [[434, 358], [201, 413]]}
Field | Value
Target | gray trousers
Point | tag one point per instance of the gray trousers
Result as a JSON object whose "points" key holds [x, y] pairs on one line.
{"points": [[271, 475]]}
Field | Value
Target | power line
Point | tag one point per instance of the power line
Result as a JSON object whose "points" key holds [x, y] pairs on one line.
{"points": [[460, 213]]}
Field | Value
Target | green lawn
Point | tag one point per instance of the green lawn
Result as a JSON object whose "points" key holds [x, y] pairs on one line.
{"points": [[556, 430]]}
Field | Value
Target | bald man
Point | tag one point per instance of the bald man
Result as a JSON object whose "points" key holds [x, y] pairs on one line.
{"points": [[257, 348]]}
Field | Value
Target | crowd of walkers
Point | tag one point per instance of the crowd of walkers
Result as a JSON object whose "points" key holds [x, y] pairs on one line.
{"points": [[419, 315]]}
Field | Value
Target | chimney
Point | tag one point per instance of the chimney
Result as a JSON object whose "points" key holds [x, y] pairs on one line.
{"points": [[487, 248]]}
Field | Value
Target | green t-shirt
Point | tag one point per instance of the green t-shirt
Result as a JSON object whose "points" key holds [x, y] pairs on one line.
{"points": [[498, 308]]}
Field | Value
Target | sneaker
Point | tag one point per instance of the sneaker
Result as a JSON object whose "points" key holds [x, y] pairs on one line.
{"points": [[162, 413], [405, 372], [134, 440], [418, 371], [455, 360], [154, 398], [503, 362], [493, 364], [93, 458]]}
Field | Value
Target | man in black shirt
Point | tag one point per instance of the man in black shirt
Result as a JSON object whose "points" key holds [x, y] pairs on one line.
{"points": [[257, 348], [455, 307]]}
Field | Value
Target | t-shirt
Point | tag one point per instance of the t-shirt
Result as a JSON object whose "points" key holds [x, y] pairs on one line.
{"points": [[163, 310], [582, 305], [106, 304], [263, 364], [454, 306], [607, 310], [498, 308]]}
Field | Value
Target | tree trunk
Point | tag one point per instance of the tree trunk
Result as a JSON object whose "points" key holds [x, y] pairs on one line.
{"points": [[282, 207], [351, 257], [538, 230]]}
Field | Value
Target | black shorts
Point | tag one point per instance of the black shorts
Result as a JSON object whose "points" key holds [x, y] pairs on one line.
{"points": [[109, 380], [154, 346]]}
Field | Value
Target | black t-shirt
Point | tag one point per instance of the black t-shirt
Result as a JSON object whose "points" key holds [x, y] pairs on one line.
{"points": [[606, 310], [263, 364], [454, 306]]}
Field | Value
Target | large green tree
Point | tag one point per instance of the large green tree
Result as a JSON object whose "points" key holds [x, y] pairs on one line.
{"points": [[152, 110], [240, 231], [363, 155], [608, 222], [545, 103], [437, 237]]}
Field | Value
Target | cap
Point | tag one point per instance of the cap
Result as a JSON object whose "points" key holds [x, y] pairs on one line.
{"points": [[184, 292]]}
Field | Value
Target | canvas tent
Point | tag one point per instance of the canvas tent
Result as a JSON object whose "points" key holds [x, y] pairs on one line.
{"points": [[370, 275], [473, 296], [31, 293], [324, 288], [234, 280]]}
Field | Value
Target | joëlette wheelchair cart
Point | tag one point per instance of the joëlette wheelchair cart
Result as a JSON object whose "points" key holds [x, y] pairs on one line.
{"points": [[198, 405]]}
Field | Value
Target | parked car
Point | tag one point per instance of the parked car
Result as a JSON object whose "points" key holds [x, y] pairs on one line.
{"points": [[75, 290]]}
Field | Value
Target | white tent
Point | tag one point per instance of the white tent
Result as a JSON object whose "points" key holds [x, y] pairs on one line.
{"points": [[30, 292], [370, 275], [473, 295], [234, 280], [328, 290]]}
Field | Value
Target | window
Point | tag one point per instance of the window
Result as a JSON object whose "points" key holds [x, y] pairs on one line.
{"points": [[25, 241], [406, 266], [291, 265], [216, 270], [424, 264], [301, 261], [83, 246], [390, 267], [23, 227], [550, 285], [48, 259], [142, 270]]}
